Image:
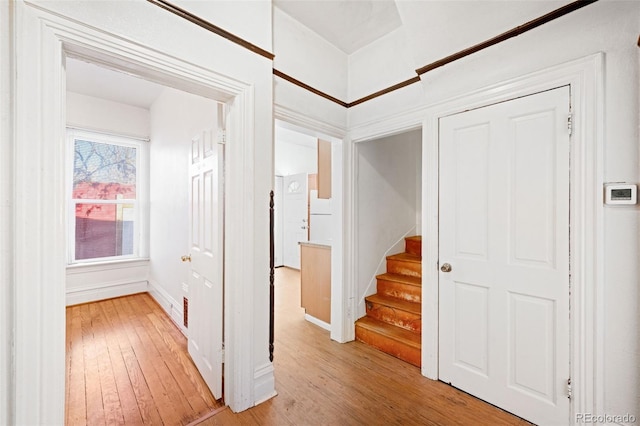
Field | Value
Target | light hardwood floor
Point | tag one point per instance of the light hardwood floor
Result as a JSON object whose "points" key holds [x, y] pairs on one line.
{"points": [[319, 381], [127, 363]]}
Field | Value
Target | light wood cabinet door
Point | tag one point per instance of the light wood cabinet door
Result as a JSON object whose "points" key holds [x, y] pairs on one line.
{"points": [[315, 280], [324, 169]]}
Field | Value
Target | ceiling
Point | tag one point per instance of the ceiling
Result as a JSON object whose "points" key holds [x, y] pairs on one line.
{"points": [[348, 25], [93, 80]]}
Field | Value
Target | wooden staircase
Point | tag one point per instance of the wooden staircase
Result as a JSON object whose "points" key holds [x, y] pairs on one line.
{"points": [[393, 323]]}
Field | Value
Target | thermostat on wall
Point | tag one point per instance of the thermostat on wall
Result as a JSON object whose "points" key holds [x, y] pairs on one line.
{"points": [[620, 193]]}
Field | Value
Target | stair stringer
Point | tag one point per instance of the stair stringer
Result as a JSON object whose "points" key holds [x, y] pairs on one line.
{"points": [[398, 246]]}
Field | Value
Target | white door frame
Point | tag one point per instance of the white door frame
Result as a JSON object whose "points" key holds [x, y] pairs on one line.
{"points": [[44, 40], [586, 78]]}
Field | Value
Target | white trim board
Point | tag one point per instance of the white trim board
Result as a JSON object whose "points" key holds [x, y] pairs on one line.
{"points": [[44, 40], [7, 324], [103, 291], [318, 322]]}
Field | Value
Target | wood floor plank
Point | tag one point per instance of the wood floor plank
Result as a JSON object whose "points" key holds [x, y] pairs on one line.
{"points": [[175, 368], [143, 398], [76, 409], [110, 397], [149, 362], [136, 363], [127, 398], [322, 382], [182, 367], [165, 368], [93, 390], [319, 381]]}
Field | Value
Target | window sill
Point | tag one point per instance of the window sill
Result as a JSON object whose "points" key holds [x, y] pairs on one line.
{"points": [[79, 268]]}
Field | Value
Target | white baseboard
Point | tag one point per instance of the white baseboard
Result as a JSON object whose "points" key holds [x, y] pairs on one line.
{"points": [[264, 383], [317, 322], [169, 304], [103, 291]]}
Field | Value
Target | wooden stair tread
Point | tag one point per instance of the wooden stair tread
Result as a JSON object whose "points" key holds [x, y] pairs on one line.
{"points": [[399, 278], [414, 238], [391, 331], [408, 257], [395, 303]]}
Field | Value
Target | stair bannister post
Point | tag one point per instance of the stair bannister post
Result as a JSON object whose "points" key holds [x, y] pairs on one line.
{"points": [[271, 276]]}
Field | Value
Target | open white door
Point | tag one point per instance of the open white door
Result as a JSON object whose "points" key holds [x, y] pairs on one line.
{"points": [[296, 216], [206, 251], [504, 254]]}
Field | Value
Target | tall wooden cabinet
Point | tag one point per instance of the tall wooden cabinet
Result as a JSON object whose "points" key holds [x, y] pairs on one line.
{"points": [[315, 280]]}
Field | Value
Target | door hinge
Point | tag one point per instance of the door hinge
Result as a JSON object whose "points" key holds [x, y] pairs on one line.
{"points": [[222, 137], [570, 124], [569, 390]]}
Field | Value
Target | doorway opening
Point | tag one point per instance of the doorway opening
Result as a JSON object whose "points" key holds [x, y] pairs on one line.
{"points": [[388, 261], [178, 197], [308, 217]]}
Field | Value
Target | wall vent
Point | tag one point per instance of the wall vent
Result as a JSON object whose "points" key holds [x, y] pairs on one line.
{"points": [[185, 312]]}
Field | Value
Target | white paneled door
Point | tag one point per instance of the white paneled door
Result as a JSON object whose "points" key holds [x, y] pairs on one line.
{"points": [[296, 216], [504, 254], [206, 249]]}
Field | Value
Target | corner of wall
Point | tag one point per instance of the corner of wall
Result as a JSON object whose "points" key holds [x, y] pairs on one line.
{"points": [[168, 304]]}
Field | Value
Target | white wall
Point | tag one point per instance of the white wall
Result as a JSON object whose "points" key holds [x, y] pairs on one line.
{"points": [[387, 204], [173, 117], [101, 115], [247, 19], [295, 153], [87, 283], [381, 64], [305, 56]]}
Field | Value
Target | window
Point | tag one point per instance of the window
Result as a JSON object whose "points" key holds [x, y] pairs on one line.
{"points": [[106, 190]]}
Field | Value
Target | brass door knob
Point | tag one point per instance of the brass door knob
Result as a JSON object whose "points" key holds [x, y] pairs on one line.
{"points": [[445, 267], [186, 258]]}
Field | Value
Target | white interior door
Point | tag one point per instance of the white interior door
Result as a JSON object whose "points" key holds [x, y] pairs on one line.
{"points": [[295, 217], [504, 231], [206, 251]]}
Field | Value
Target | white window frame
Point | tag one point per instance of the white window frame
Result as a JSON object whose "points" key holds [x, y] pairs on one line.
{"points": [[140, 202]]}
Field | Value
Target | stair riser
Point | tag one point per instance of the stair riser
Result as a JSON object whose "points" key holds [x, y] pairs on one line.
{"points": [[402, 291], [392, 347], [413, 247], [407, 320], [404, 267]]}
